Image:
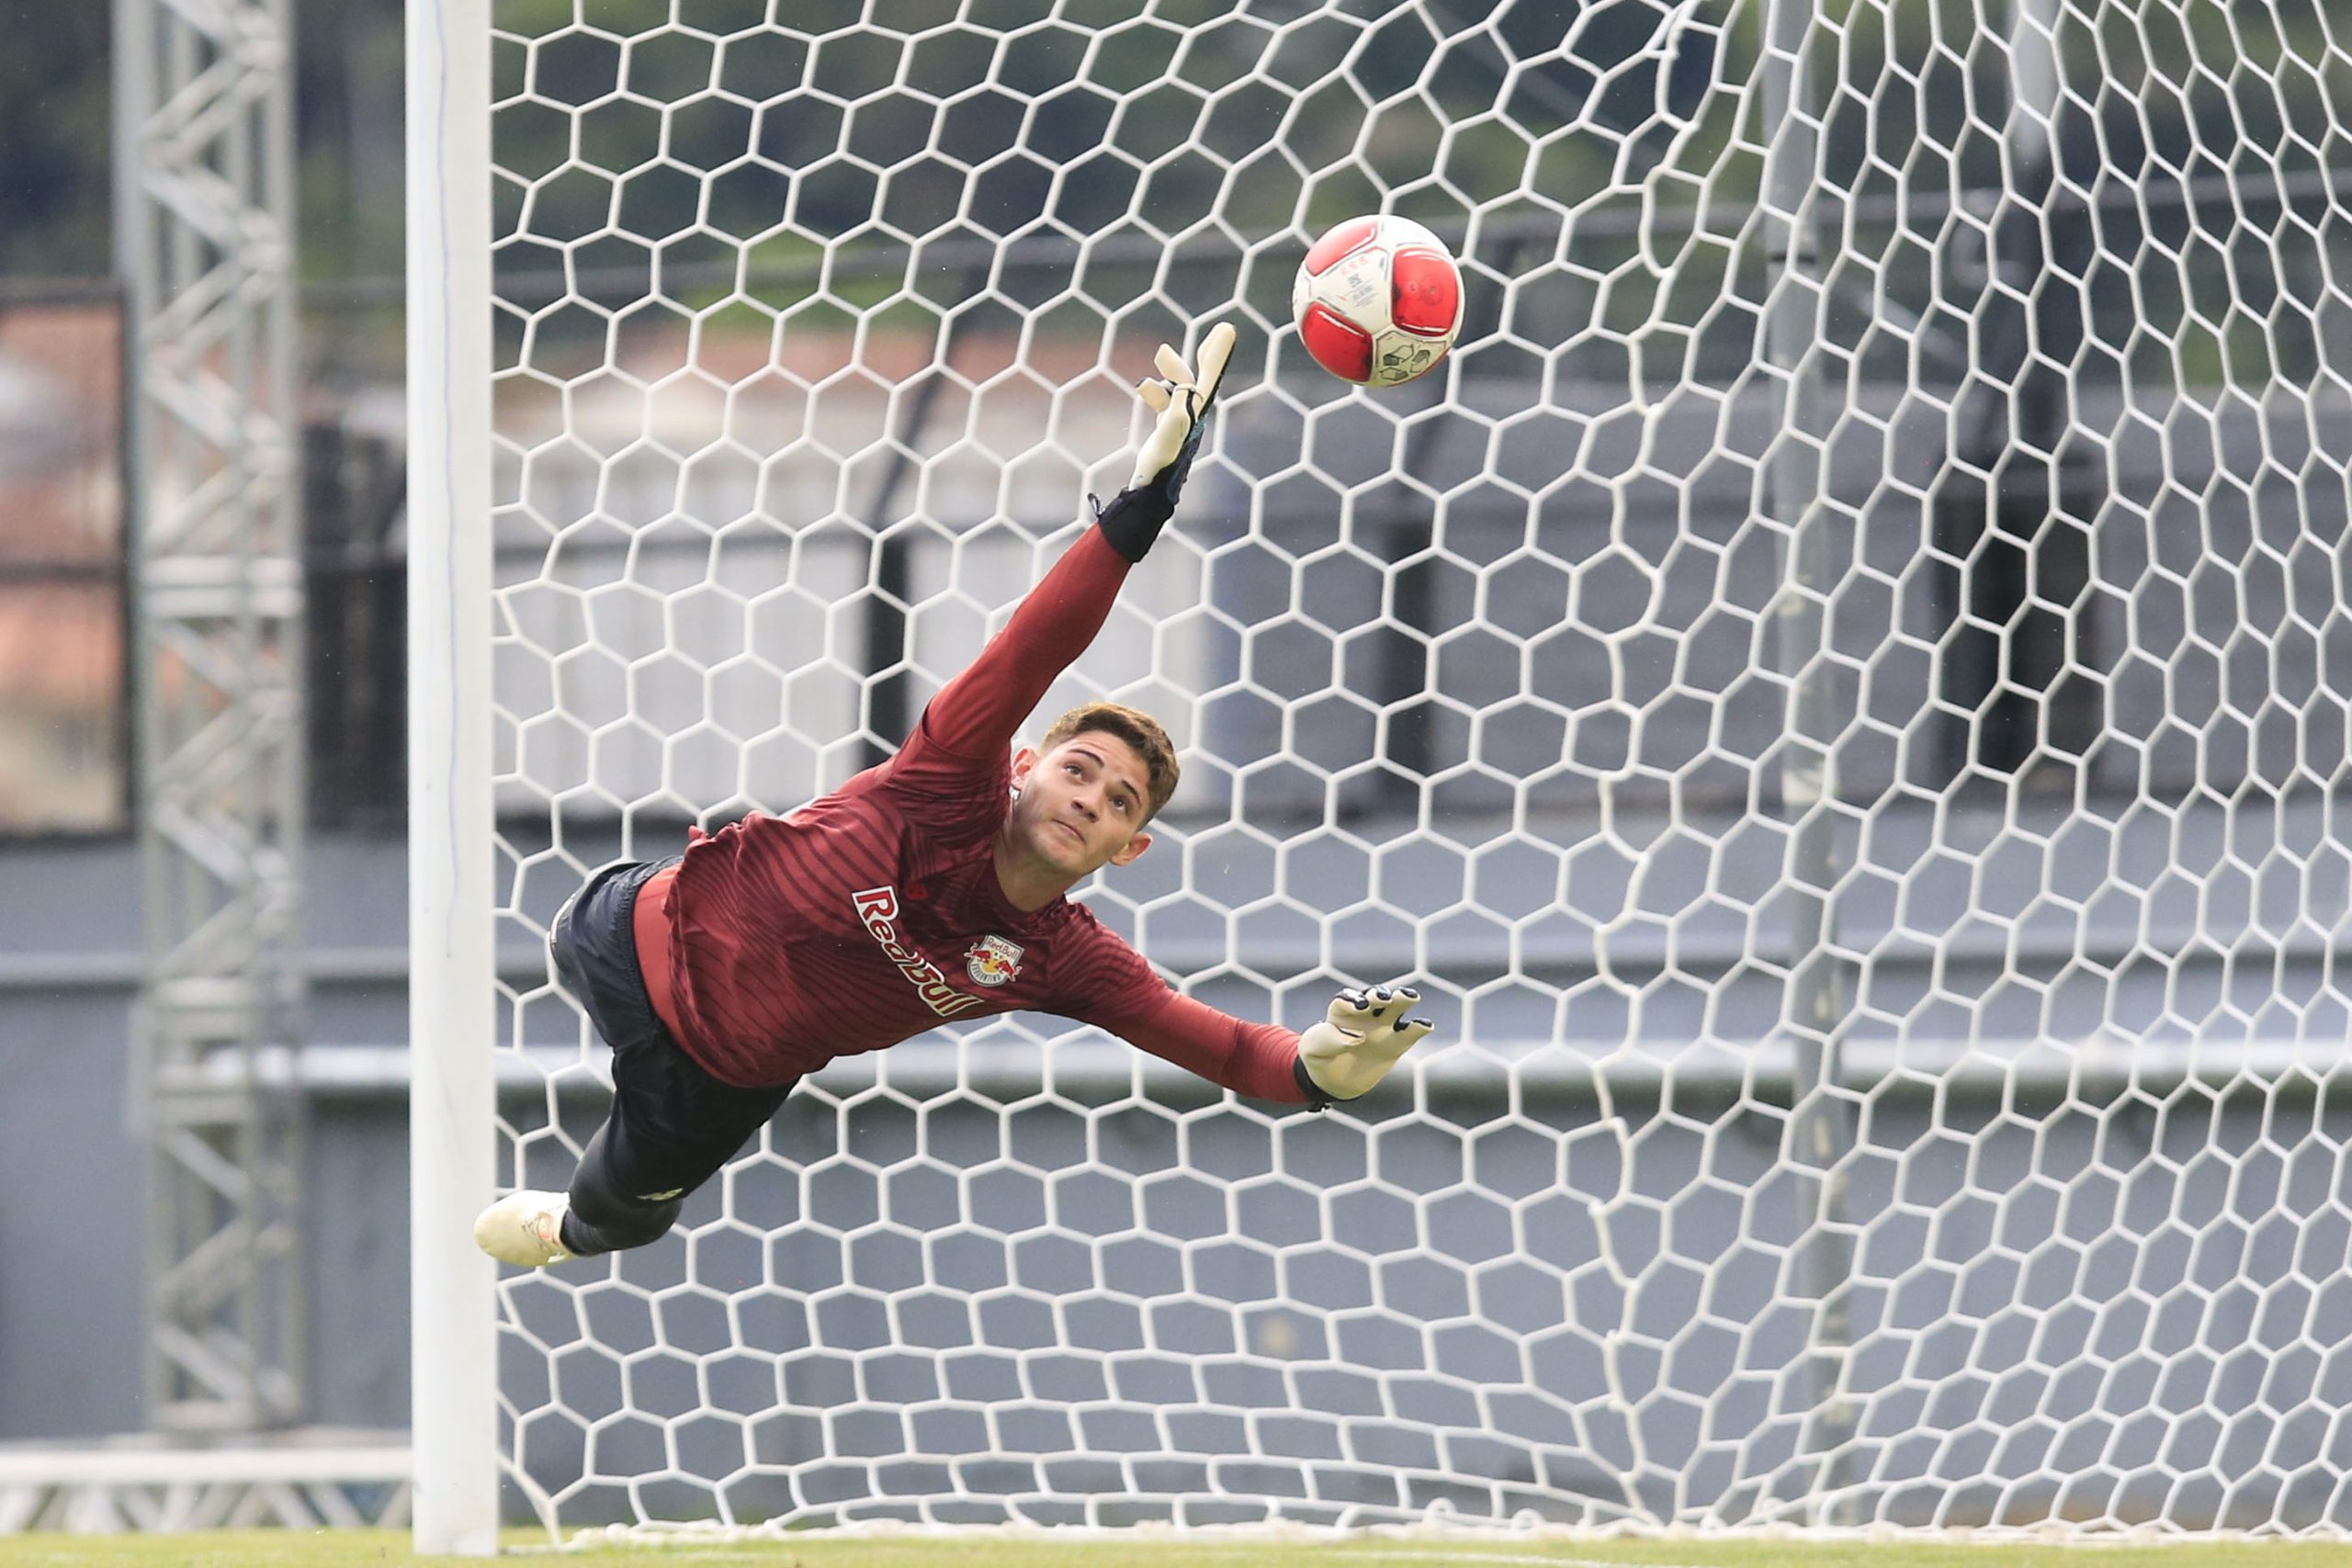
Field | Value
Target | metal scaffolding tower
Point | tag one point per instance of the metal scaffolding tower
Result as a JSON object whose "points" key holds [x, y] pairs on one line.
{"points": [[205, 243]]}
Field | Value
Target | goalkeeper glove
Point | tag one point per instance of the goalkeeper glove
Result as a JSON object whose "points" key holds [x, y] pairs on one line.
{"points": [[1182, 403], [1358, 1041]]}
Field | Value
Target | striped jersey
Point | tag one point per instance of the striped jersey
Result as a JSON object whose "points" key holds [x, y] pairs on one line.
{"points": [[874, 914]]}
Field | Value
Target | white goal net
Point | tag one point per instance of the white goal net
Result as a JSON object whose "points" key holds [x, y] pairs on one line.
{"points": [[1838, 690]]}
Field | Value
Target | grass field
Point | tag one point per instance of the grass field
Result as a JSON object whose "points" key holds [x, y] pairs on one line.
{"points": [[356, 1549]]}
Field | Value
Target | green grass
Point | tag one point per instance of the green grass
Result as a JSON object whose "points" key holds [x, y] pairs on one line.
{"points": [[357, 1549]]}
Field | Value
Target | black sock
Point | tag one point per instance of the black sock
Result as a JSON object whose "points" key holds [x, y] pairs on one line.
{"points": [[569, 1233]]}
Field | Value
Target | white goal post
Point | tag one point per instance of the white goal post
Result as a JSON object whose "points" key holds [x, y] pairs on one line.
{"points": [[453, 919], [1840, 689]]}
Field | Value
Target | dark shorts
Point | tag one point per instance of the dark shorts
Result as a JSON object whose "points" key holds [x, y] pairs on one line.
{"points": [[672, 1126], [593, 944]]}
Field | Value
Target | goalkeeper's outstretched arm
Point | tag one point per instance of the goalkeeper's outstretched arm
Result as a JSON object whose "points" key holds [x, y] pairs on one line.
{"points": [[1360, 1036], [976, 714]]}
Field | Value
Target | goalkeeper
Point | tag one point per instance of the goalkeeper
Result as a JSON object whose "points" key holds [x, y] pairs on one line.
{"points": [[925, 889]]}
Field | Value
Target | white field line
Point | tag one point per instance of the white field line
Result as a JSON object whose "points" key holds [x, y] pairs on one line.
{"points": [[686, 1552], [1495, 1557], [1429, 1554], [1338, 1559]]}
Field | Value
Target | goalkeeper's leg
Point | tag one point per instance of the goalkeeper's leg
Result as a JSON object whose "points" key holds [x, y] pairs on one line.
{"points": [[670, 1128], [672, 1125]]}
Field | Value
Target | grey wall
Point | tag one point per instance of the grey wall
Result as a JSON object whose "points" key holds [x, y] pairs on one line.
{"points": [[72, 1193], [73, 1215]]}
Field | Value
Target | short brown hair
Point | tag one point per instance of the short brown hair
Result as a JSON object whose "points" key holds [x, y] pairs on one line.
{"points": [[1135, 727]]}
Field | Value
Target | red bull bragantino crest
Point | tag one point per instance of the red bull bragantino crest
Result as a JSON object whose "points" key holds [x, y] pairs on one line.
{"points": [[992, 961]]}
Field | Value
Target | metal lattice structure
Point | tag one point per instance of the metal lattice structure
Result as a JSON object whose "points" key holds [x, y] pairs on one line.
{"points": [[329, 1480], [204, 236]]}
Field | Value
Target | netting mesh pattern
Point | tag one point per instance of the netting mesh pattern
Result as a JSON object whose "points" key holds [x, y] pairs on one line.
{"points": [[1838, 690]]}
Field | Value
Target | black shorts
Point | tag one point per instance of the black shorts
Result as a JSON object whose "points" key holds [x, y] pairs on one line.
{"points": [[672, 1126], [593, 944]]}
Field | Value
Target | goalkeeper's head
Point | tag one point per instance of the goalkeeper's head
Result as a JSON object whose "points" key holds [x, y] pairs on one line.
{"points": [[1085, 794]]}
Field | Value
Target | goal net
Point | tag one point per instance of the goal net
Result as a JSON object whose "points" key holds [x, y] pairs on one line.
{"points": [[1838, 690]]}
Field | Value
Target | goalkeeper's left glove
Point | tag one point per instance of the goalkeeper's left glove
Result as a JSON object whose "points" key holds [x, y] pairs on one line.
{"points": [[1181, 404], [1358, 1041]]}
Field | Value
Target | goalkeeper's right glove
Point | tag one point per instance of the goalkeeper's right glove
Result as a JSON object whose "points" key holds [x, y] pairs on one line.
{"points": [[1182, 403], [1358, 1041]]}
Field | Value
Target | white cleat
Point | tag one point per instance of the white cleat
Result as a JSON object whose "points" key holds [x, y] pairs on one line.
{"points": [[524, 1228]]}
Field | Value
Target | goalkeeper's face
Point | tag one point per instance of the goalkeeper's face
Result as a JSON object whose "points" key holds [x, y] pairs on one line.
{"points": [[1081, 805]]}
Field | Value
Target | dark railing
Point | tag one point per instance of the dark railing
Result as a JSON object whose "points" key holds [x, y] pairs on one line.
{"points": [[356, 681]]}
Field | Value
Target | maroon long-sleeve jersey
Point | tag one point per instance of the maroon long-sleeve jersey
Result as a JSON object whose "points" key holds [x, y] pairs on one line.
{"points": [[874, 914]]}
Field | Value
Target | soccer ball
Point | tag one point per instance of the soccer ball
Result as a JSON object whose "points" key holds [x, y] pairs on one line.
{"points": [[1378, 300]]}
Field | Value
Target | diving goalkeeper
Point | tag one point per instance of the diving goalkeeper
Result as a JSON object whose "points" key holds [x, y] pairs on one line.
{"points": [[925, 889]]}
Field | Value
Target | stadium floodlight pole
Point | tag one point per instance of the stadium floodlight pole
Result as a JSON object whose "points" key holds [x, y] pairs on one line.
{"points": [[1816, 996], [452, 1109]]}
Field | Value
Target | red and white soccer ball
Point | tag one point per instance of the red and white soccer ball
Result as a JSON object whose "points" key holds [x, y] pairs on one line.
{"points": [[1378, 300]]}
